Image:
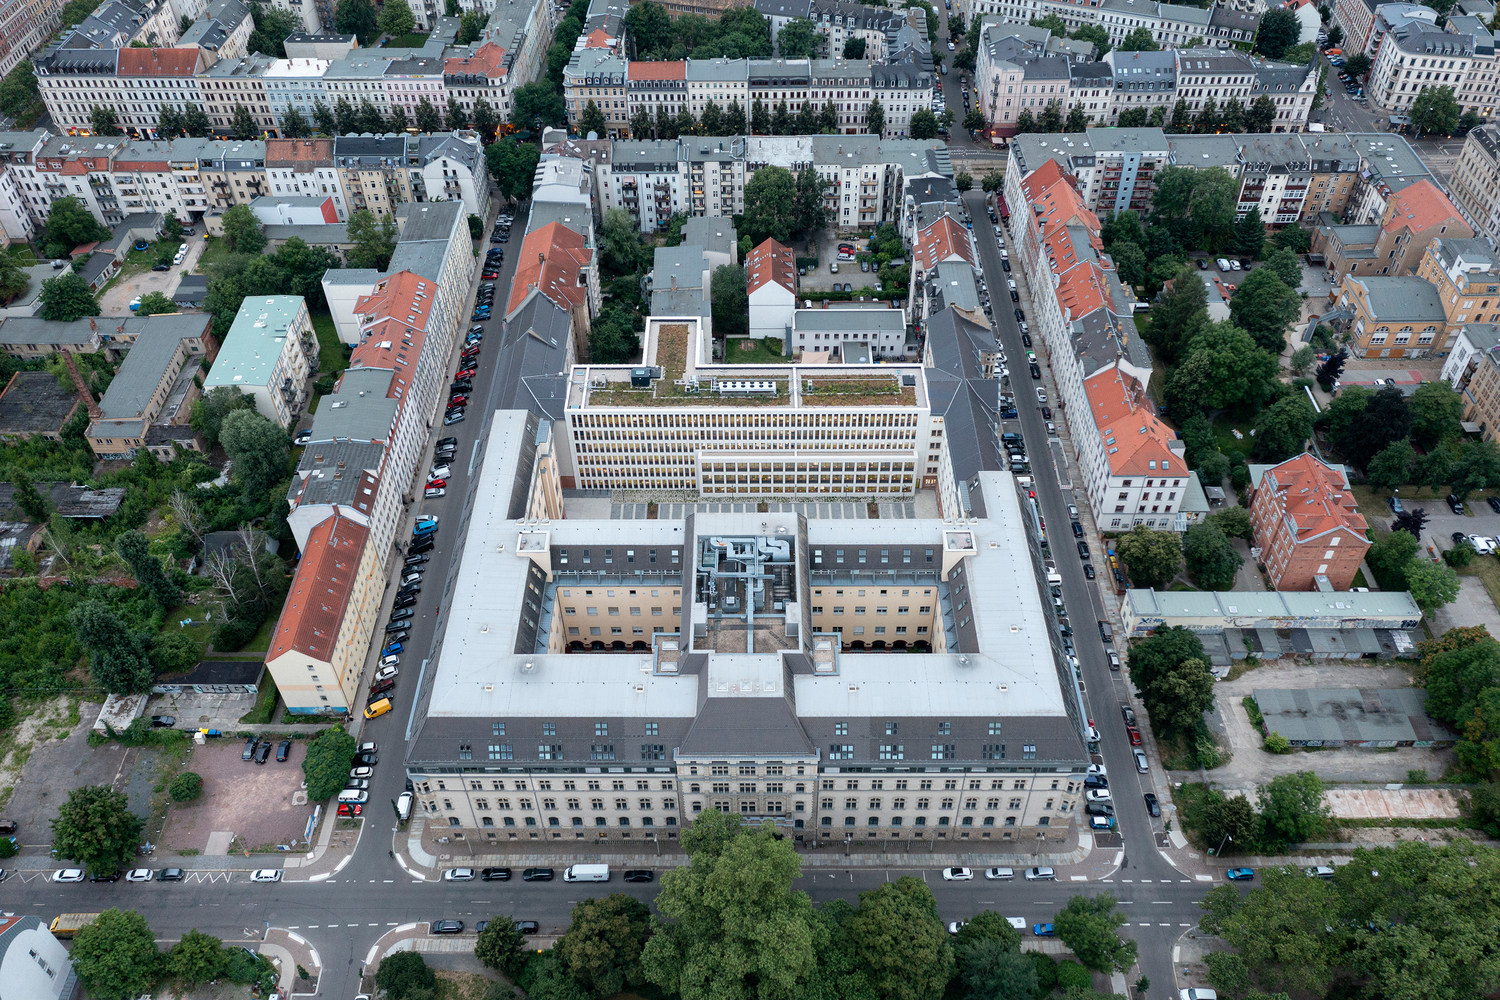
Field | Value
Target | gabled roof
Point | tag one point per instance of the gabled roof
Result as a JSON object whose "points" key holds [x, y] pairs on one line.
{"points": [[158, 62], [1136, 442], [1314, 497], [314, 608], [1420, 206], [944, 240], [393, 320], [551, 260], [772, 262], [487, 61]]}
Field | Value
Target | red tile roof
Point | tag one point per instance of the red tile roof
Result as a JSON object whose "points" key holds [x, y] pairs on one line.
{"points": [[944, 240], [598, 39], [488, 61], [551, 260], [771, 261], [1051, 190], [1314, 496], [393, 323], [320, 592], [1421, 205], [675, 69], [1133, 436], [158, 62], [295, 150]]}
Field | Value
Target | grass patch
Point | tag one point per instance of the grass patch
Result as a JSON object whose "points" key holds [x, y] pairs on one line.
{"points": [[1359, 579], [1191, 798], [744, 351], [1253, 710], [23, 253], [1242, 667], [265, 704], [1223, 425], [330, 348], [201, 632], [414, 40], [262, 641], [461, 986], [1487, 569], [214, 250]]}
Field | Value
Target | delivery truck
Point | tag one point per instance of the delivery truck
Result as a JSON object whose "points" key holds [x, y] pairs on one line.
{"points": [[65, 925], [586, 873]]}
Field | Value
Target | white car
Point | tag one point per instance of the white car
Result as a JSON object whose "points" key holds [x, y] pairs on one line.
{"points": [[1005, 373], [138, 875], [1097, 794], [957, 874], [1483, 545], [384, 672], [1197, 993], [956, 925], [389, 661], [1041, 395], [367, 748], [361, 772], [1001, 873], [439, 472], [68, 875], [435, 492], [266, 875], [1097, 769], [458, 875], [1019, 923]]}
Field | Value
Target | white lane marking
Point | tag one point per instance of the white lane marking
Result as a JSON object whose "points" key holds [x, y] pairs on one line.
{"points": [[1078, 878], [1119, 856], [1161, 902]]}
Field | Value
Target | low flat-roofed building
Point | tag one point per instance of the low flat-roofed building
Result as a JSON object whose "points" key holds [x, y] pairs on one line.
{"points": [[66, 500], [1207, 612], [161, 347], [1369, 718], [35, 404], [876, 329]]}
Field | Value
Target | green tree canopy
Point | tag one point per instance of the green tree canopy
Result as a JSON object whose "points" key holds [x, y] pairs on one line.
{"points": [[1151, 557], [210, 410], [1431, 584], [243, 232], [197, 958], [70, 225], [258, 449], [537, 100], [603, 945], [1435, 110], [155, 304], [117, 661], [797, 39], [731, 301], [1435, 413], [924, 124], [396, 20], [501, 945], [1139, 40], [1292, 809], [1249, 235], [133, 547], [96, 829], [66, 298], [1210, 557], [902, 943], [116, 955], [1263, 307], [374, 239], [404, 975], [1160, 653], [768, 196], [1281, 431], [1278, 33], [326, 765], [356, 17], [1222, 368], [1088, 926], [1176, 320]]}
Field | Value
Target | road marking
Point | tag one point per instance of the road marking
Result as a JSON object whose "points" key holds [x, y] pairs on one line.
{"points": [[1127, 880], [1164, 925], [1184, 925], [389, 881], [368, 925], [1126, 902], [1146, 881], [1119, 857], [1161, 902], [294, 927], [1143, 925], [391, 924], [313, 927], [1078, 878], [1187, 880], [1205, 878], [1106, 880]]}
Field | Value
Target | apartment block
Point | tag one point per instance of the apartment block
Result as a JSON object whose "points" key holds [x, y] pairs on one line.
{"points": [[1310, 533], [24, 26], [1171, 25], [230, 83], [1413, 57], [1474, 184], [134, 82], [270, 353], [21, 216], [1393, 317], [154, 388], [772, 272], [1473, 369], [223, 32], [1413, 218]]}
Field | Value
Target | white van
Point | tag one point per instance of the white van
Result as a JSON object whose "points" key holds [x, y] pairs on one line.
{"points": [[586, 873], [403, 807], [354, 795]]}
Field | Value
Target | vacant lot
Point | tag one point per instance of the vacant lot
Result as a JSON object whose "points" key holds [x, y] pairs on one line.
{"points": [[260, 804]]}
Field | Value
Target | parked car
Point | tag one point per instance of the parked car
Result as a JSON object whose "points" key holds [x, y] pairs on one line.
{"points": [[138, 875], [1455, 504], [1152, 806], [262, 752], [1240, 874], [1134, 734], [639, 875], [458, 875], [446, 927], [957, 874], [495, 875], [68, 875], [283, 751], [163, 721], [266, 875], [1043, 874], [537, 875], [169, 875]]}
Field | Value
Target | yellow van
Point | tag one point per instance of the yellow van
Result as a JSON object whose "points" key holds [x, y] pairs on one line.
{"points": [[378, 708]]}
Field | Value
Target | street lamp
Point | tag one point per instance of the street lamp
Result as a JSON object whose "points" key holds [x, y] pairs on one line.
{"points": [[1220, 851]]}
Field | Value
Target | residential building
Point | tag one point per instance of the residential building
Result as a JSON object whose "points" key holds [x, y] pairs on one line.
{"points": [[1170, 25], [556, 263], [943, 241], [483, 73], [20, 203], [1393, 317], [1386, 17], [295, 83], [134, 82], [772, 273], [723, 81], [962, 358], [314, 44], [34, 965], [270, 354], [1415, 56], [1307, 16], [1139, 80], [1476, 90], [1228, 25], [1473, 369], [230, 83], [223, 32], [1474, 184], [656, 88], [1335, 165], [927, 198], [33, 404], [372, 171], [1275, 173], [305, 168], [413, 81], [73, 168], [296, 212], [156, 379], [1413, 218], [1310, 533], [24, 26], [450, 166], [234, 172], [599, 74], [1357, 18]]}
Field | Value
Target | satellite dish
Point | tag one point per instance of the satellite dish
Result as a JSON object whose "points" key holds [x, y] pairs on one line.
{"points": [[593, 136]]}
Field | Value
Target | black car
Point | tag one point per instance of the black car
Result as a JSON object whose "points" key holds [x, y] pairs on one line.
{"points": [[446, 927], [495, 875], [400, 635], [1095, 781], [1459, 538], [262, 752], [421, 545], [169, 875], [1026, 339], [1020, 314], [249, 750], [161, 267], [1099, 809], [417, 560], [283, 751], [447, 442], [528, 926], [1494, 504], [401, 626], [1036, 371], [402, 603], [537, 875], [402, 615], [1455, 504], [1202, 264], [163, 721], [1046, 413], [1083, 550], [1077, 530], [638, 875], [366, 758], [1152, 806], [113, 876], [1088, 570]]}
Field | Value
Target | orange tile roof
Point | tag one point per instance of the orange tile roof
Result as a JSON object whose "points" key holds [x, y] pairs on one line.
{"points": [[598, 39], [1420, 206], [551, 260], [393, 322], [292, 150], [675, 69], [772, 262], [320, 592], [1314, 496], [943, 240], [158, 62], [1133, 436], [1060, 202], [488, 61]]}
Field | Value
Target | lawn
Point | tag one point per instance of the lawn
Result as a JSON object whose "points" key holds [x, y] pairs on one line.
{"points": [[743, 351], [330, 348], [415, 40], [262, 640], [23, 254], [1228, 443], [215, 250], [201, 632]]}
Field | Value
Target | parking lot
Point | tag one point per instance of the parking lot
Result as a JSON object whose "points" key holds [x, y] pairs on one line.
{"points": [[822, 278], [259, 805], [117, 297]]}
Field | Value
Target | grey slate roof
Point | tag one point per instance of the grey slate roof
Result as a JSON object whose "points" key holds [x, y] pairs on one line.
{"points": [[765, 725], [428, 220], [34, 402], [1403, 299], [531, 369], [713, 235], [191, 290], [959, 393], [34, 330], [140, 373], [360, 410], [315, 482], [952, 284]]}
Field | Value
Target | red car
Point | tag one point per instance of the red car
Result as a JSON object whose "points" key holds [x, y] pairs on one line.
{"points": [[350, 808], [490, 275], [434, 484], [463, 373], [1134, 734]]}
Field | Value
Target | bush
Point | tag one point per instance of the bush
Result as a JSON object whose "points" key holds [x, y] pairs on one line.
{"points": [[326, 765], [1252, 708], [254, 970], [1070, 974], [404, 973], [1460, 555], [1276, 743], [1417, 776], [9, 847], [1046, 972], [186, 787]]}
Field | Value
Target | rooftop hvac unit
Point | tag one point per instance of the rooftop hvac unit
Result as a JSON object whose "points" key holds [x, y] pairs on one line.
{"points": [[746, 387]]}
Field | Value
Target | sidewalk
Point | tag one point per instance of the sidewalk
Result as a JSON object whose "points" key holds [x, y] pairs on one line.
{"points": [[291, 952]]}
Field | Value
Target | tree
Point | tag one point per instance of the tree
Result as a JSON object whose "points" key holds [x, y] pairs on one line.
{"points": [[1478, 467], [455, 117], [923, 125], [396, 20], [1050, 120], [1281, 431], [69, 225], [1178, 698], [797, 39], [374, 239], [271, 28], [974, 120], [1078, 119], [1025, 121], [1182, 117], [186, 787], [1390, 557], [737, 928], [1160, 653], [811, 215], [1357, 65], [326, 765], [1261, 114], [258, 448], [25, 495], [592, 120], [168, 122], [1249, 235], [1151, 557], [537, 101], [1279, 31], [854, 48], [242, 123], [731, 302], [1052, 23], [66, 298], [155, 303], [1302, 358], [648, 27], [1384, 419], [1133, 118], [1208, 119], [1263, 307], [1097, 34], [1087, 925], [485, 120], [210, 410], [1229, 821], [903, 945], [1176, 320], [117, 662], [1130, 264], [1435, 110], [404, 975], [1210, 557], [603, 945], [620, 239], [767, 196], [96, 829], [133, 547], [19, 92], [1286, 266], [1431, 584], [243, 232], [429, 118], [1435, 413], [197, 958], [116, 955], [470, 28], [1392, 466], [195, 121], [1139, 40], [104, 121], [1234, 522], [1222, 368], [512, 164], [1292, 809], [502, 946], [1330, 370], [734, 120], [991, 968]]}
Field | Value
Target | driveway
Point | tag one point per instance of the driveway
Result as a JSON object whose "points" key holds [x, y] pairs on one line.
{"points": [[117, 298], [1252, 765]]}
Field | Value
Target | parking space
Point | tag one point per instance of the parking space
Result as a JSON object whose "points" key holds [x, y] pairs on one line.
{"points": [[259, 805], [117, 297], [823, 278]]}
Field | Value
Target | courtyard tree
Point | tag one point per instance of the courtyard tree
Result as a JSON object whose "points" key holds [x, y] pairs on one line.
{"points": [[96, 829], [1151, 557], [116, 955]]}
